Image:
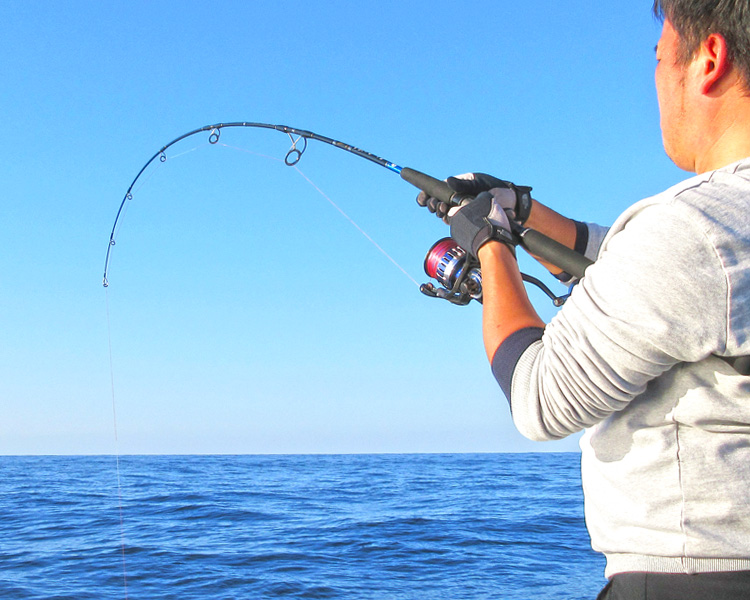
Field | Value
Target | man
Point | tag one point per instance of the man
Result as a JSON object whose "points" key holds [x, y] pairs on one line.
{"points": [[636, 355]]}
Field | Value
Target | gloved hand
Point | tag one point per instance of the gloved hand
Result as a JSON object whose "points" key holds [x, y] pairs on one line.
{"points": [[481, 220], [515, 199]]}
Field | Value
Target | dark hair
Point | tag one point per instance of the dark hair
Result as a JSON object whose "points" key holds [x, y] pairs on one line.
{"points": [[695, 20]]}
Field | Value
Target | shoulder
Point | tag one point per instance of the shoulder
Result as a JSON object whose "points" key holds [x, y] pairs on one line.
{"points": [[707, 213], [709, 199], [682, 258]]}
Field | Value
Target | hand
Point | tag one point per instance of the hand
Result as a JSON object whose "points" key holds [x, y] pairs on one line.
{"points": [[515, 199], [481, 220]]}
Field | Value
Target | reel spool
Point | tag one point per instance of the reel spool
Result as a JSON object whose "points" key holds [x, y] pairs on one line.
{"points": [[455, 270]]}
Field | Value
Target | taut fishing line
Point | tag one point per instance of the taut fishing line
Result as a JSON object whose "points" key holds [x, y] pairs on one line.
{"points": [[456, 271], [341, 211], [117, 455]]}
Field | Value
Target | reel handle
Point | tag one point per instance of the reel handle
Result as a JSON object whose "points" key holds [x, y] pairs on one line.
{"points": [[534, 242]]}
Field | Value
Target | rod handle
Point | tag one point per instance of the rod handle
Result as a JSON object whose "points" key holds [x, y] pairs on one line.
{"points": [[434, 187], [554, 252]]}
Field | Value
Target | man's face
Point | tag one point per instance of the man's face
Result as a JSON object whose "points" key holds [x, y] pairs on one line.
{"points": [[671, 93]]}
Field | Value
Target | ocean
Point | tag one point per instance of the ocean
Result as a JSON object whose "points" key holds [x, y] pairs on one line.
{"points": [[356, 527]]}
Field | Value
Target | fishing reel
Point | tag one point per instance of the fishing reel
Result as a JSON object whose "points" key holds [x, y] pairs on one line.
{"points": [[460, 276], [455, 270]]}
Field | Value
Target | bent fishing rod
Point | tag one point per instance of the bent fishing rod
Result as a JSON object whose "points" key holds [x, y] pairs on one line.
{"points": [[454, 269]]}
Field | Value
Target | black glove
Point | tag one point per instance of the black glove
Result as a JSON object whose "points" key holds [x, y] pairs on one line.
{"points": [[481, 220], [518, 204]]}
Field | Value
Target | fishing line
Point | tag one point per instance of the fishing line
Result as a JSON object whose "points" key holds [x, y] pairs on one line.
{"points": [[366, 235], [362, 231], [294, 154], [143, 183], [534, 242], [298, 147], [117, 451]]}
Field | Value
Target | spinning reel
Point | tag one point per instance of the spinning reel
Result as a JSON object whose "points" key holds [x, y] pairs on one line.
{"points": [[460, 276]]}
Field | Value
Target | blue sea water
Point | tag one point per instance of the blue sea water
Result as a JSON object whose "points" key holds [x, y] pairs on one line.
{"points": [[356, 527]]}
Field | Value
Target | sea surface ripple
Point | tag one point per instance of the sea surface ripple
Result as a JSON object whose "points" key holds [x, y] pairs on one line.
{"points": [[397, 527]]}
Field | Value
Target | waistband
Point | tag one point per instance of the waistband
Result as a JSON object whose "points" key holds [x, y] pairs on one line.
{"points": [[623, 563]]}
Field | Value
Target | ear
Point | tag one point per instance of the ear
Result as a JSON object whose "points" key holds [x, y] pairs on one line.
{"points": [[713, 62]]}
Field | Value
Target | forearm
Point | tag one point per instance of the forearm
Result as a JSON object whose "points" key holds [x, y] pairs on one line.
{"points": [[506, 306], [555, 226], [552, 224]]}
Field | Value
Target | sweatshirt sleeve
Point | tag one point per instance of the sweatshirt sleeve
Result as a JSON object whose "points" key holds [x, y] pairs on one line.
{"points": [[589, 238], [594, 238], [656, 296]]}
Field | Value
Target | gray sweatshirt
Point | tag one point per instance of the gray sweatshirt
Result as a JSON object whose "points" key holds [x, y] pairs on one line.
{"points": [[633, 358]]}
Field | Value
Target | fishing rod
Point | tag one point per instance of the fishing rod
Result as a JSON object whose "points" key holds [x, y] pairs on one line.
{"points": [[453, 268]]}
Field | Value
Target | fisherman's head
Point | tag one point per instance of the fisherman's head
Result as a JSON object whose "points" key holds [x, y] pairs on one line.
{"points": [[702, 75], [695, 20]]}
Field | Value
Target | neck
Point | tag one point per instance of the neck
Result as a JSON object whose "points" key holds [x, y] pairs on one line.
{"points": [[726, 131]]}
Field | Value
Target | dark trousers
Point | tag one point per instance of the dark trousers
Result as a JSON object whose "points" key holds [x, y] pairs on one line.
{"points": [[667, 586]]}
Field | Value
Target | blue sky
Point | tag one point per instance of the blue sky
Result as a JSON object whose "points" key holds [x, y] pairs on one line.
{"points": [[246, 314]]}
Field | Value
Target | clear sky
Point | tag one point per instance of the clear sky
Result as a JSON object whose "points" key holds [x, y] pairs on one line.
{"points": [[246, 314]]}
